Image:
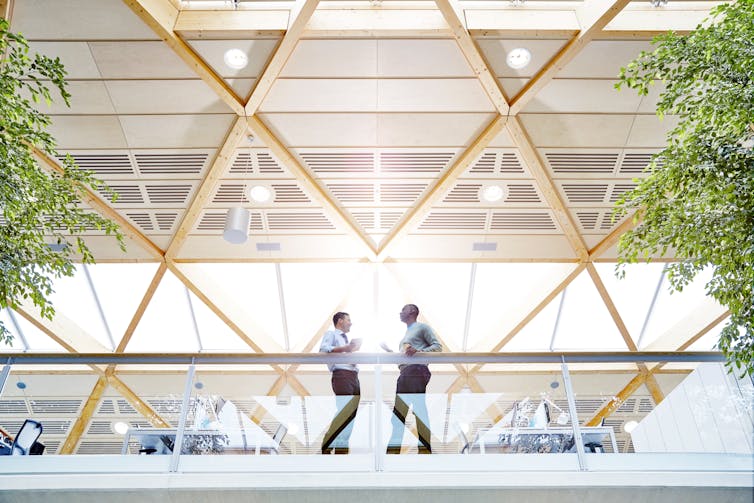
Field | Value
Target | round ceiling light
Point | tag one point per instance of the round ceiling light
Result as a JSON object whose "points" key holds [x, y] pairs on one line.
{"points": [[629, 426], [236, 59], [492, 193], [518, 58], [120, 427], [260, 194]]}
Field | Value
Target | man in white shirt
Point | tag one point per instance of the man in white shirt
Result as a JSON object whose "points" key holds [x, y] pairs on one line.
{"points": [[345, 385]]}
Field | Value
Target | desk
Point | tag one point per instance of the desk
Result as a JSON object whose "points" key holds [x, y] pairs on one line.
{"points": [[203, 441], [539, 440]]}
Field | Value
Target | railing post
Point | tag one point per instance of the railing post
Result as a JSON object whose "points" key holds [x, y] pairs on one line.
{"points": [[574, 415], [4, 375], [184, 414], [379, 454]]}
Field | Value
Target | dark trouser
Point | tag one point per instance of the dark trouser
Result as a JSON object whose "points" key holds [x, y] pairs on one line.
{"points": [[345, 385], [410, 391]]}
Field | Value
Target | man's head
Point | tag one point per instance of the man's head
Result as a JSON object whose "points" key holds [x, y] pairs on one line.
{"points": [[409, 313], [342, 321]]}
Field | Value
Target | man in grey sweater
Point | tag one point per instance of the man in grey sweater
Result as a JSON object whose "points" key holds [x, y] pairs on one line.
{"points": [[412, 382]]}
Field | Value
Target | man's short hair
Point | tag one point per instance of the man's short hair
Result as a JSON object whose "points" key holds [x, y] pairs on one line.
{"points": [[337, 317], [414, 308]]}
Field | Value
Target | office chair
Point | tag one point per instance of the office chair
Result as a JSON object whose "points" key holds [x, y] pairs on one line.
{"points": [[26, 437], [278, 438]]}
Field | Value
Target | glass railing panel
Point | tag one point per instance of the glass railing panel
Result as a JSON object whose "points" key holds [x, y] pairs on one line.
{"points": [[285, 410], [689, 408], [497, 409], [144, 405]]}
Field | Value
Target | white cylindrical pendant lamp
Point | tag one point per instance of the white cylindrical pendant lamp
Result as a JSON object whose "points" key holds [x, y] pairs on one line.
{"points": [[237, 226]]}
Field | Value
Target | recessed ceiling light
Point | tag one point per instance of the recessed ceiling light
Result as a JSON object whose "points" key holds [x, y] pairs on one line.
{"points": [[629, 426], [292, 428], [236, 59], [120, 427], [260, 194], [518, 58], [492, 193]]}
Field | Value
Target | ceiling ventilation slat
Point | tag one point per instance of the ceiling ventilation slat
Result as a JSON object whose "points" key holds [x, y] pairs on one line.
{"points": [[365, 219], [389, 219], [352, 192], [268, 165], [401, 192], [585, 193], [127, 194], [143, 220], [165, 221], [168, 194], [55, 406], [104, 165], [522, 221], [211, 221], [607, 221], [485, 164], [414, 162], [339, 162], [13, 407], [242, 164], [289, 193], [463, 193], [575, 162], [171, 164], [454, 221], [100, 428], [106, 407], [588, 219], [522, 193], [634, 162], [298, 220], [231, 193], [619, 189]]}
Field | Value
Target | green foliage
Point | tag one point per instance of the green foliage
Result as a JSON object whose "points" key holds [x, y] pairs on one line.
{"points": [[698, 200], [38, 208]]}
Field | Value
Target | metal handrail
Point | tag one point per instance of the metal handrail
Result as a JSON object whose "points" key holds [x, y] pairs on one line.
{"points": [[360, 358]]}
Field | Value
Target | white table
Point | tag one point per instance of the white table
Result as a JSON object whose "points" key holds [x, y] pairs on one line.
{"points": [[248, 440], [538, 440]]}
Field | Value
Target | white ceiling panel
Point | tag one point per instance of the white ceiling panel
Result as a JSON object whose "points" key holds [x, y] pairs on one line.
{"points": [[603, 58], [242, 87], [433, 95], [332, 58], [139, 60], [502, 139], [292, 246], [496, 50], [164, 97], [78, 20], [327, 95], [649, 102], [551, 130], [651, 131], [511, 87], [87, 97], [213, 51], [175, 131], [430, 129], [443, 247], [87, 131], [75, 56], [583, 96], [323, 130], [428, 58]]}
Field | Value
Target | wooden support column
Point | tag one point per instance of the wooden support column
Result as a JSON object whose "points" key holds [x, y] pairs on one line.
{"points": [[74, 436], [137, 403]]}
